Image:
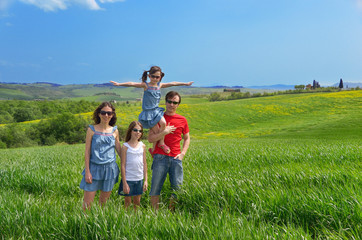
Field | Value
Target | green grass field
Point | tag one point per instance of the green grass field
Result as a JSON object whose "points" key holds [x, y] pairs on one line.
{"points": [[281, 167]]}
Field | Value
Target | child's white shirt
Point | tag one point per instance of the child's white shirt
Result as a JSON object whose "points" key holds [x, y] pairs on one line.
{"points": [[134, 162]]}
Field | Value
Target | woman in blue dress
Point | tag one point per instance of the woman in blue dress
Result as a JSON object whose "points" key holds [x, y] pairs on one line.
{"points": [[101, 170], [152, 115]]}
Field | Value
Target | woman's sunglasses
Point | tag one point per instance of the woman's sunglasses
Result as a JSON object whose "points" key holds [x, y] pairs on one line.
{"points": [[137, 130], [106, 112]]}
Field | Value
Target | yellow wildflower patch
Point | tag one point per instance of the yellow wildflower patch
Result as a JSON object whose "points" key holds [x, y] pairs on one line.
{"points": [[87, 114], [184, 106], [128, 114], [342, 94], [32, 121]]}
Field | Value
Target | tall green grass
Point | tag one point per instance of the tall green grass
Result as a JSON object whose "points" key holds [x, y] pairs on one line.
{"points": [[247, 188]]}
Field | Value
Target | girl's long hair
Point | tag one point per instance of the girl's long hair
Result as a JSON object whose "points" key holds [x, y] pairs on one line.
{"points": [[130, 128]]}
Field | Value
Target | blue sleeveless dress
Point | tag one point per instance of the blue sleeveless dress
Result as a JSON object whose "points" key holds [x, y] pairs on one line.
{"points": [[151, 113], [102, 162]]}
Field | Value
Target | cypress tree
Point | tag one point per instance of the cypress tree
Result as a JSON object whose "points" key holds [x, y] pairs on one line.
{"points": [[341, 83]]}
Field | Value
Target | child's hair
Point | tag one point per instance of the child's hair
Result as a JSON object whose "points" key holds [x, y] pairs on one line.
{"points": [[96, 117], [152, 70], [130, 128], [172, 94]]}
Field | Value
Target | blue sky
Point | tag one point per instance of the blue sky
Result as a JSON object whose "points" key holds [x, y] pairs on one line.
{"points": [[210, 42]]}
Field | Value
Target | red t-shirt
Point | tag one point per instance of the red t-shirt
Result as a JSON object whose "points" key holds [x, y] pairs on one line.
{"points": [[172, 140]]}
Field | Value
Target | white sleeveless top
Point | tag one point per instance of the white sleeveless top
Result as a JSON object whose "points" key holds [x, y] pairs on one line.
{"points": [[134, 162]]}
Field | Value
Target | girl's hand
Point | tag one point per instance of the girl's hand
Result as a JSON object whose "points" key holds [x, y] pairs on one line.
{"points": [[125, 188], [189, 83], [88, 177], [114, 83], [145, 186]]}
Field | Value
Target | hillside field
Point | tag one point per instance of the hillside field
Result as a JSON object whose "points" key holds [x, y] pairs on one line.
{"points": [[280, 167], [316, 115], [95, 92]]}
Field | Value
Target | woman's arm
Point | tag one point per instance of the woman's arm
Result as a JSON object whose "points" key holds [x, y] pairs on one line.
{"points": [[123, 169], [172, 84], [118, 144], [145, 183], [130, 84], [88, 144]]}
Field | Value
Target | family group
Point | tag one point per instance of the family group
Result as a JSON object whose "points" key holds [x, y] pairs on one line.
{"points": [[167, 130]]}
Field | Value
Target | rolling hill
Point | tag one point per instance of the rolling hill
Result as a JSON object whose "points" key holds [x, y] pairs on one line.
{"points": [[93, 92]]}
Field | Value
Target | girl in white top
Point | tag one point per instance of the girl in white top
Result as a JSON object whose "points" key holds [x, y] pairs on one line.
{"points": [[133, 166]]}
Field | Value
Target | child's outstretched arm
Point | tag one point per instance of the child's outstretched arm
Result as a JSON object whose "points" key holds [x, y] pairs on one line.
{"points": [[129, 84], [172, 84]]}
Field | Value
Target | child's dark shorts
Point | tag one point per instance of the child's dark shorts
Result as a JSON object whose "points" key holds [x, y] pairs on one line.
{"points": [[135, 188]]}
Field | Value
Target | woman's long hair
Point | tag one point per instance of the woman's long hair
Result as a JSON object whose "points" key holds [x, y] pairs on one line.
{"points": [[96, 113]]}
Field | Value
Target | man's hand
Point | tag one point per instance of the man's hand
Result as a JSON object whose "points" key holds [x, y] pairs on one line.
{"points": [[180, 156], [169, 129], [155, 137]]}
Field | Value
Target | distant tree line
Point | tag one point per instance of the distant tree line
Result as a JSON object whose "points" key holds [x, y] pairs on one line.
{"points": [[13, 111], [298, 89], [66, 127], [317, 85], [59, 122]]}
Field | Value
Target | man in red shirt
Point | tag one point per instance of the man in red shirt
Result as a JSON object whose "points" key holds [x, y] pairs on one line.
{"points": [[171, 163]]}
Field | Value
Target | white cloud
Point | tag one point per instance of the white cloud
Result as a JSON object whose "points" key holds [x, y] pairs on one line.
{"points": [[4, 4], [48, 5], [359, 3], [54, 5], [90, 4]]}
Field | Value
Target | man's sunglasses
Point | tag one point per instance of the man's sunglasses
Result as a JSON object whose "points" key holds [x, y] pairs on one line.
{"points": [[154, 76], [169, 102], [137, 130], [106, 112]]}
